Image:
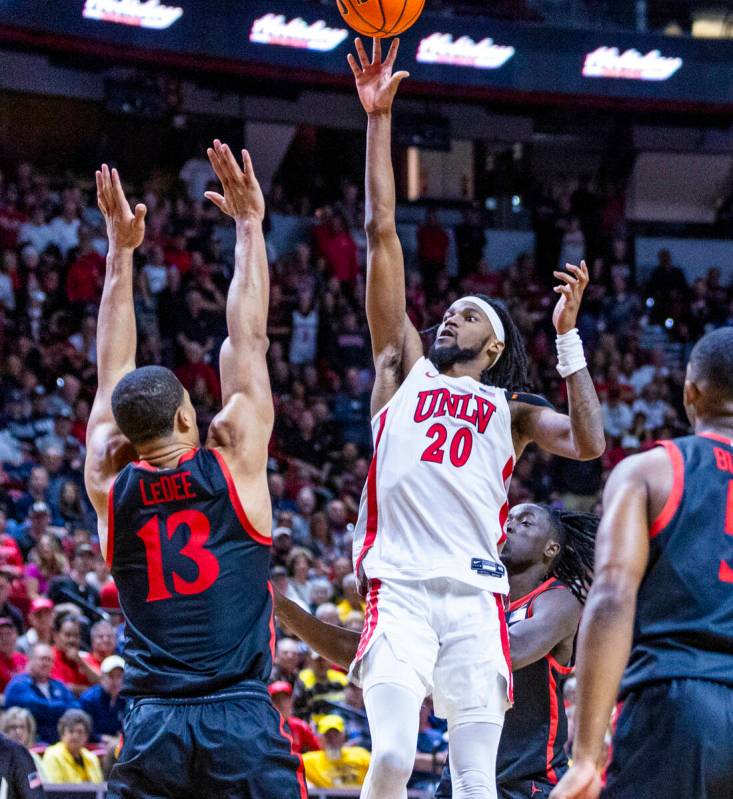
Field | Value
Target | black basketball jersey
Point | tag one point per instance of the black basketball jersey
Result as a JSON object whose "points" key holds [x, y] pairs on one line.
{"points": [[684, 613], [536, 728], [192, 575]]}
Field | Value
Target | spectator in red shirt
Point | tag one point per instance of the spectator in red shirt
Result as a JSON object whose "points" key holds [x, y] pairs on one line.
{"points": [[338, 249], [177, 254], [69, 666], [86, 274], [11, 662], [432, 244], [304, 739], [195, 369]]}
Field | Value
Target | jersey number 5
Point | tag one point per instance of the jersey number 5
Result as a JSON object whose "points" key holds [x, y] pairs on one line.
{"points": [[725, 573], [206, 562]]}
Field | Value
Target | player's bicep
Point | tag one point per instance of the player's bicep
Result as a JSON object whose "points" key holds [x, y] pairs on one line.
{"points": [[549, 429], [245, 374], [555, 617]]}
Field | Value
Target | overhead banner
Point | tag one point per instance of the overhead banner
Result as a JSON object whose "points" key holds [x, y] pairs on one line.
{"points": [[306, 43]]}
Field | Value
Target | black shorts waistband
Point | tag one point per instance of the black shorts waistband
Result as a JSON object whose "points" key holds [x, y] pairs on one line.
{"points": [[252, 689]]}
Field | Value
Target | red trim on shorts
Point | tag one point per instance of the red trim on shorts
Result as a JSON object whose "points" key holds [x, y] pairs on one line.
{"points": [[371, 617], [675, 495], [372, 506], [504, 632], [236, 503], [554, 718], [273, 634], [110, 524], [299, 772], [717, 437]]}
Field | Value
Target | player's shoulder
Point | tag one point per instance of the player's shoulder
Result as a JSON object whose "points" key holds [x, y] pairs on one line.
{"points": [[526, 398]]}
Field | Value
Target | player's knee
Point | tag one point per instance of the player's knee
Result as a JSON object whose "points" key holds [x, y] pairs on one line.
{"points": [[392, 766], [472, 783]]}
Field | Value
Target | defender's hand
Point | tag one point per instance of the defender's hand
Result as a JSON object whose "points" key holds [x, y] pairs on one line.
{"points": [[375, 82], [242, 198], [125, 229], [565, 314], [582, 781]]}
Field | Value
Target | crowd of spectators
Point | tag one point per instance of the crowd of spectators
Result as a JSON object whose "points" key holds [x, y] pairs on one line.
{"points": [[60, 635]]}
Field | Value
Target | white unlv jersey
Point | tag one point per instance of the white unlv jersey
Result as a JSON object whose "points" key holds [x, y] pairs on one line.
{"points": [[435, 500]]}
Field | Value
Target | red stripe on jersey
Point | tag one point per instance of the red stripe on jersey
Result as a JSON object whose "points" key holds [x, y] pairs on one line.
{"points": [[236, 503], [150, 468], [372, 509], [506, 476], [504, 632], [554, 717], [675, 495], [527, 598], [563, 671], [110, 524], [299, 773], [273, 634], [372, 617], [717, 437], [188, 455]]}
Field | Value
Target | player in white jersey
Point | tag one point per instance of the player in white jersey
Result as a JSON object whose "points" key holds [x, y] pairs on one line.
{"points": [[448, 430]]}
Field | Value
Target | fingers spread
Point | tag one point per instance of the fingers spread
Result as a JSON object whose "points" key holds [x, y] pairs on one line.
{"points": [[376, 51], [216, 198], [361, 52], [354, 66], [392, 54], [566, 278], [117, 192], [248, 168]]}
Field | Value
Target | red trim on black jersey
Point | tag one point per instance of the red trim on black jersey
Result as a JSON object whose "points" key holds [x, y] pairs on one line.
{"points": [[236, 503], [675, 495], [273, 633], [299, 772], [527, 598], [188, 455], [110, 524], [372, 508], [554, 721]]}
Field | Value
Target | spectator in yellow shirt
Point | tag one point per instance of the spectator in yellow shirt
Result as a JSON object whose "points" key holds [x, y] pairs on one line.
{"points": [[336, 766], [351, 601], [320, 687], [69, 761]]}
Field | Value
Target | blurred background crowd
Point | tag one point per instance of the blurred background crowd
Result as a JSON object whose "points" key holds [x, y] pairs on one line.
{"points": [[60, 631]]}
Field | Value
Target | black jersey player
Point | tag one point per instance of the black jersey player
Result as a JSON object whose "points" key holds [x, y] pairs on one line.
{"points": [[549, 558], [186, 529], [659, 618]]}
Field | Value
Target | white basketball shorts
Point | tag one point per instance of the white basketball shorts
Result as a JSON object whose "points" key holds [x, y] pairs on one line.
{"points": [[439, 637]]}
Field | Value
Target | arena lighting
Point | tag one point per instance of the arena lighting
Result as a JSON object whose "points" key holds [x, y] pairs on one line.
{"points": [[138, 13], [273, 29], [439, 48], [608, 62]]}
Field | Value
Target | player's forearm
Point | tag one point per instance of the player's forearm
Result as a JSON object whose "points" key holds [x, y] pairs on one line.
{"points": [[249, 291], [604, 645], [586, 418], [116, 331], [380, 185]]}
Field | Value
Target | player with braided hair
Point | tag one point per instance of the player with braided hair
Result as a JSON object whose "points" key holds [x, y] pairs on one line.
{"points": [[549, 557]]}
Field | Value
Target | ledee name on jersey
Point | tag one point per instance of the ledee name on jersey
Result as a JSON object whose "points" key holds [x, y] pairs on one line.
{"points": [[167, 488], [470, 408]]}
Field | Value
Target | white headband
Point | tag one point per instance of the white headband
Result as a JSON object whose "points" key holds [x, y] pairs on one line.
{"points": [[491, 313]]}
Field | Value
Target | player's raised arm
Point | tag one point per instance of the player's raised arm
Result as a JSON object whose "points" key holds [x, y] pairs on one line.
{"points": [[604, 642], [385, 297], [107, 449], [579, 434], [243, 427]]}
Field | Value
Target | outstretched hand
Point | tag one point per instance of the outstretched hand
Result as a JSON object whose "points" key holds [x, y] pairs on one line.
{"points": [[125, 229], [375, 82], [582, 781], [242, 198], [574, 283]]}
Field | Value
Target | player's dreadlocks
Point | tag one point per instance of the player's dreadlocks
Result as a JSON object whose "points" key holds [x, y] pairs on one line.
{"points": [[574, 563], [511, 370]]}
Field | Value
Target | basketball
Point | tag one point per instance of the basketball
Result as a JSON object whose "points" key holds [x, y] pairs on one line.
{"points": [[380, 18]]}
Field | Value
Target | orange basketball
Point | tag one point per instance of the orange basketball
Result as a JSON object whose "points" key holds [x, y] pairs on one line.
{"points": [[380, 18]]}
